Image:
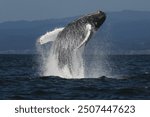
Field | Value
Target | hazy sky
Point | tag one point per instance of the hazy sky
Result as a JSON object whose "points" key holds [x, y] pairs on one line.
{"points": [[46, 9]]}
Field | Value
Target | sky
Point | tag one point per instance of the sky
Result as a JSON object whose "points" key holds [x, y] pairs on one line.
{"points": [[12, 10]]}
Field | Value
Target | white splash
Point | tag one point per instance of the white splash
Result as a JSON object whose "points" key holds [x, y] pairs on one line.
{"points": [[52, 68]]}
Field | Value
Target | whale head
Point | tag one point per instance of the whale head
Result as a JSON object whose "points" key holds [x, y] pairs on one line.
{"points": [[96, 19]]}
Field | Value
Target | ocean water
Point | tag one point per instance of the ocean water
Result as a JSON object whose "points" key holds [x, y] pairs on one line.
{"points": [[117, 77]]}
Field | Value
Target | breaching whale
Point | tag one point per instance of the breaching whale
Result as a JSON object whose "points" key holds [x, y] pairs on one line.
{"points": [[68, 40]]}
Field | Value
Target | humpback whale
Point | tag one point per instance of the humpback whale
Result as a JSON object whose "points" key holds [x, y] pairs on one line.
{"points": [[68, 40]]}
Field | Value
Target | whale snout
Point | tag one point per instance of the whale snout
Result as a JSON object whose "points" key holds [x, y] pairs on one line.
{"points": [[102, 16], [99, 19], [101, 13]]}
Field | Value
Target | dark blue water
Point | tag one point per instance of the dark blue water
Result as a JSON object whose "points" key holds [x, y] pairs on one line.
{"points": [[130, 79]]}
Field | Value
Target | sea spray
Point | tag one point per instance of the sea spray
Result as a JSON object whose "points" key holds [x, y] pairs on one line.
{"points": [[97, 54]]}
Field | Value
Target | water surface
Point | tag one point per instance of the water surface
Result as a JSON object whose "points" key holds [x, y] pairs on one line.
{"points": [[128, 78]]}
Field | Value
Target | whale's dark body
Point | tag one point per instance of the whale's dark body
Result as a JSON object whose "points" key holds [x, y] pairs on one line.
{"points": [[75, 35]]}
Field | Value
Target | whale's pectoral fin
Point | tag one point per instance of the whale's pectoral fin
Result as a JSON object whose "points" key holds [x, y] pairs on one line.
{"points": [[88, 33], [49, 36]]}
